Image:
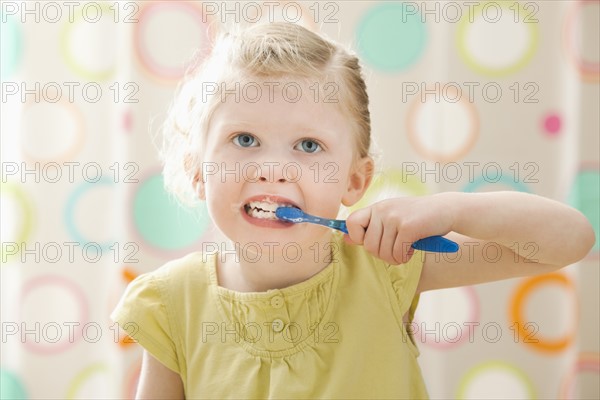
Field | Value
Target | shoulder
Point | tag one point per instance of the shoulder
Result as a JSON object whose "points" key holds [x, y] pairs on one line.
{"points": [[181, 276], [194, 265]]}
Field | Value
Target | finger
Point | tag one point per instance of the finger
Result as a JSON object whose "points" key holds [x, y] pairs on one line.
{"points": [[348, 240], [373, 236], [386, 245], [402, 250], [357, 223]]}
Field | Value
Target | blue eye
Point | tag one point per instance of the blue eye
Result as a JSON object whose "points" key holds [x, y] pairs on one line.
{"points": [[245, 140], [309, 146]]}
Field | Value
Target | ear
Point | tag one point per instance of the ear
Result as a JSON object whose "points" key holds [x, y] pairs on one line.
{"points": [[199, 186], [197, 181], [358, 181]]}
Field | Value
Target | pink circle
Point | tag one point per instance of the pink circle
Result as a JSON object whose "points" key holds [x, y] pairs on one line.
{"points": [[466, 329], [589, 69], [586, 362], [64, 343], [552, 124], [157, 69], [133, 380], [127, 121]]}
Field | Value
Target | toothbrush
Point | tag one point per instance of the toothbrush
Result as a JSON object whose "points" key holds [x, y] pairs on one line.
{"points": [[436, 244]]}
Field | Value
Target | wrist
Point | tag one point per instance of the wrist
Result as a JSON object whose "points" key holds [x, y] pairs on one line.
{"points": [[452, 205]]}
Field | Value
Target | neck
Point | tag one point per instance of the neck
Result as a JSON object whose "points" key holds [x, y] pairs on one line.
{"points": [[272, 266]]}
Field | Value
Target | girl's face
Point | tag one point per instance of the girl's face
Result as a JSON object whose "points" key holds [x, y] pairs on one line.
{"points": [[276, 144]]}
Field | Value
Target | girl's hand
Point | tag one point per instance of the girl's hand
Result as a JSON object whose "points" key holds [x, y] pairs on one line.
{"points": [[387, 229]]}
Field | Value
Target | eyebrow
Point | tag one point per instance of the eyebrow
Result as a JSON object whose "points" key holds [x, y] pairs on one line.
{"points": [[304, 129]]}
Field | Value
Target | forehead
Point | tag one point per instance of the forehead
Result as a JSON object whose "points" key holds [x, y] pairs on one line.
{"points": [[301, 104]]}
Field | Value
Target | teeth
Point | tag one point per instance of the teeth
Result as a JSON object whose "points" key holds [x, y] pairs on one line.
{"points": [[264, 205], [263, 209]]}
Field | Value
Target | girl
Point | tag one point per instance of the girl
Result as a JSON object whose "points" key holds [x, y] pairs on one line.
{"points": [[278, 116]]}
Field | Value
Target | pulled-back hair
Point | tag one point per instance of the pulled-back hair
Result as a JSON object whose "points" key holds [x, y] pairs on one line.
{"points": [[276, 50]]}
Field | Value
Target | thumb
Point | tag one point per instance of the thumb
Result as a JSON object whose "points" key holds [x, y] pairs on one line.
{"points": [[357, 224]]}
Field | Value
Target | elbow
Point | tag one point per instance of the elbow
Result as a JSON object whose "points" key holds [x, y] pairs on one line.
{"points": [[589, 239], [585, 239]]}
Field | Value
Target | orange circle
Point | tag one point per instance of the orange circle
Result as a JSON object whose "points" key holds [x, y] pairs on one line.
{"points": [[440, 156], [157, 72], [128, 274], [516, 312]]}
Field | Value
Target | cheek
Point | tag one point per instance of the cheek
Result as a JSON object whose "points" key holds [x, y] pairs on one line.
{"points": [[329, 177], [220, 195]]}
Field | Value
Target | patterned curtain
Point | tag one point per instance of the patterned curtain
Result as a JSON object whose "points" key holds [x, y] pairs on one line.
{"points": [[465, 96]]}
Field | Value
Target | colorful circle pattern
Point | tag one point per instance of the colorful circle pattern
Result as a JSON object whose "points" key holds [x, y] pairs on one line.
{"points": [[390, 37]]}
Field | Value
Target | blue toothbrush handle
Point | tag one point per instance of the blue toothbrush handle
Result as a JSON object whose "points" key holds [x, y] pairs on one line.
{"points": [[338, 224], [436, 244]]}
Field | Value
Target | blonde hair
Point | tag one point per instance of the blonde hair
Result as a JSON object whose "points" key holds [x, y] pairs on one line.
{"points": [[274, 50]]}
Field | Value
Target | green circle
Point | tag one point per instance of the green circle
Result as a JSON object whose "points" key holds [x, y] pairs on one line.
{"points": [[391, 36], [386, 183], [11, 387], [10, 46], [163, 222], [472, 62], [585, 196]]}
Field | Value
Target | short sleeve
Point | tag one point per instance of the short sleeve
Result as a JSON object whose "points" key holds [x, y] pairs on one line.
{"points": [[144, 316], [405, 279]]}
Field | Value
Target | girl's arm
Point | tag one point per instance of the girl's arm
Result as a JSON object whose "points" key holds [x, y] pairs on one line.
{"points": [[502, 235], [158, 381]]}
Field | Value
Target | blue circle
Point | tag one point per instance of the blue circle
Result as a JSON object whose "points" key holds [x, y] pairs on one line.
{"points": [[391, 36], [10, 46], [585, 196], [11, 387], [70, 211], [162, 222], [503, 180]]}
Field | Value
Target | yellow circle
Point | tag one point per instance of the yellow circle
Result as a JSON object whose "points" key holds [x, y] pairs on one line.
{"points": [[83, 376], [484, 367], [13, 190], [70, 59], [463, 26]]}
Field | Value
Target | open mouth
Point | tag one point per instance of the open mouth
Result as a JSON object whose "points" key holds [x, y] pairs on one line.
{"points": [[264, 209]]}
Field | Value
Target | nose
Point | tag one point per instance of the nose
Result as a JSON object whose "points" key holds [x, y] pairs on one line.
{"points": [[271, 172], [274, 172]]}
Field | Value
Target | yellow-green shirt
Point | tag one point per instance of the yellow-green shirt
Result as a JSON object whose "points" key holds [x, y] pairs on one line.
{"points": [[338, 335]]}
